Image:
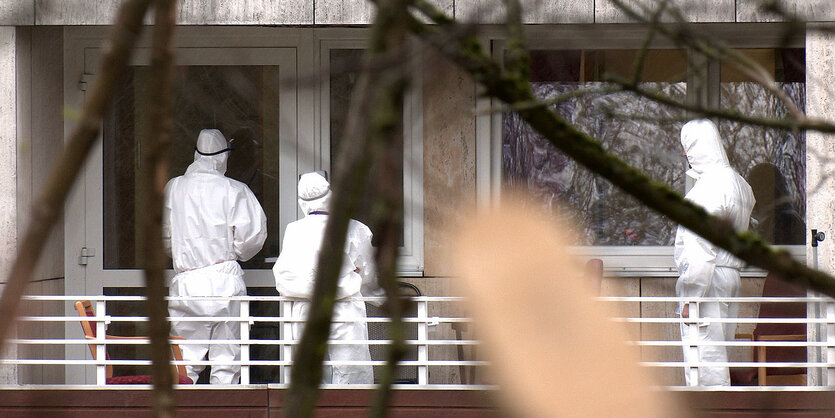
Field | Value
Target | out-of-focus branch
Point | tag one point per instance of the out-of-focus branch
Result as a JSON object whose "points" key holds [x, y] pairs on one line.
{"points": [[640, 60], [155, 164], [47, 208], [587, 151], [389, 35], [372, 107]]}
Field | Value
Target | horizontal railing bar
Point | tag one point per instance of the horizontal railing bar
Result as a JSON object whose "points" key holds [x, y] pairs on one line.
{"points": [[734, 343], [279, 319], [728, 320], [737, 299], [680, 364], [230, 298], [35, 341], [120, 362]]}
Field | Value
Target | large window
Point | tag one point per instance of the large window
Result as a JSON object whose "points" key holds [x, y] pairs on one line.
{"points": [[240, 101], [773, 161], [342, 59], [646, 135], [638, 130]]}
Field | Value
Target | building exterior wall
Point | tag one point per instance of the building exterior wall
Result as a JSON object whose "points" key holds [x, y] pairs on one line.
{"points": [[30, 140], [359, 12], [8, 170]]}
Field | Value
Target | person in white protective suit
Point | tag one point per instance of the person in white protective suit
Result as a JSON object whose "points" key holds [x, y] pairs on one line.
{"points": [[295, 273], [704, 269], [209, 222]]}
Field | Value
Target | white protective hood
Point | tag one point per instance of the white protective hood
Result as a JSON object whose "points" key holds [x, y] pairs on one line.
{"points": [[703, 147], [210, 141]]}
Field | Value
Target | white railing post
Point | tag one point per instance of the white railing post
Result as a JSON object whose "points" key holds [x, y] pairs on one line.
{"points": [[692, 338], [423, 349], [829, 307], [244, 324], [101, 349], [285, 311]]}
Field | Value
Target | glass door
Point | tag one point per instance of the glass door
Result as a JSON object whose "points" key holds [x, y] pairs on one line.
{"points": [[249, 94]]}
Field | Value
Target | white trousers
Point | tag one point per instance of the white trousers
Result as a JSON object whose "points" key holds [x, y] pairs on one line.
{"points": [[224, 279], [344, 328], [725, 283]]}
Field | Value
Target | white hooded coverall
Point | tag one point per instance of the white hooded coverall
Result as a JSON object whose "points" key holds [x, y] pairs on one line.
{"points": [[704, 269], [209, 222], [295, 274]]}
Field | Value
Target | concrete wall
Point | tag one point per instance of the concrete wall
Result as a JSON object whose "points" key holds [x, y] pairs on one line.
{"points": [[358, 12], [8, 171], [820, 181], [39, 142]]}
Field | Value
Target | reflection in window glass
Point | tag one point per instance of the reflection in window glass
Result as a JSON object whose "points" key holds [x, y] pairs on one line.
{"points": [[773, 161], [240, 101], [343, 75], [644, 134]]}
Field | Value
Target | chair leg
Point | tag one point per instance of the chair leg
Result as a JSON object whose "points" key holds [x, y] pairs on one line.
{"points": [[761, 370]]}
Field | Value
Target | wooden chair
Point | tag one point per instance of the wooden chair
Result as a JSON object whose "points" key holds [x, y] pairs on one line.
{"points": [[774, 286], [85, 310]]}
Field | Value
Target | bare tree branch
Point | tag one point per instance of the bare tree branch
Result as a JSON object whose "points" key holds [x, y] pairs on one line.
{"points": [[155, 166], [588, 152], [47, 208]]}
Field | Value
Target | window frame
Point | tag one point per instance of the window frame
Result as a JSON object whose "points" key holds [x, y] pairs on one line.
{"points": [[410, 258], [628, 261]]}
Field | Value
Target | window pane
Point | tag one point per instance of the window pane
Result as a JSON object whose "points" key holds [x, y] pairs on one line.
{"points": [[773, 161], [343, 75], [637, 130], [241, 101]]}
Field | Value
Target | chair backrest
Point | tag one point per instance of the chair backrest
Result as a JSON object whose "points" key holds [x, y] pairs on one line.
{"points": [[85, 310], [775, 286], [380, 331]]}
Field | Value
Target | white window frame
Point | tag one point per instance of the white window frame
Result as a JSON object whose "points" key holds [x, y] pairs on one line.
{"points": [[410, 259], [630, 261]]}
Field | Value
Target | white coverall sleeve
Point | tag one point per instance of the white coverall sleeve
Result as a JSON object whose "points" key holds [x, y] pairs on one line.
{"points": [[166, 220], [249, 225], [362, 253], [697, 262]]}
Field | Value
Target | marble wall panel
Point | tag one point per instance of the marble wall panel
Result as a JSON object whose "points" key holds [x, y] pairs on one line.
{"points": [[809, 10], [820, 180], [533, 11], [448, 158], [17, 12], [8, 171], [608, 11], [191, 12]]}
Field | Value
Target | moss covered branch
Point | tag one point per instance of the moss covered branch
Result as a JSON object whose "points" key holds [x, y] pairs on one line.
{"points": [[467, 53]]}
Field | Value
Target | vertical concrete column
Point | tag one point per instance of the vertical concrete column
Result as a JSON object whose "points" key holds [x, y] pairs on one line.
{"points": [[8, 172], [820, 174]]}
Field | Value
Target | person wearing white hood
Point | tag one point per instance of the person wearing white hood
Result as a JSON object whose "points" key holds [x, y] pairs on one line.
{"points": [[704, 269], [295, 273], [209, 222]]}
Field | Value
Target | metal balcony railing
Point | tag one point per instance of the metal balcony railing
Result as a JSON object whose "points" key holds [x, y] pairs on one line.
{"points": [[440, 354]]}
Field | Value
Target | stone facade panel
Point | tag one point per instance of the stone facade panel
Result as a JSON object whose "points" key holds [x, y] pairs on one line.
{"points": [[808, 10], [533, 11], [17, 12], [191, 12], [608, 11]]}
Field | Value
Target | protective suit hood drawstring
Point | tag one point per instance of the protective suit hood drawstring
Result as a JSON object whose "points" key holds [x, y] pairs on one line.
{"points": [[209, 154]]}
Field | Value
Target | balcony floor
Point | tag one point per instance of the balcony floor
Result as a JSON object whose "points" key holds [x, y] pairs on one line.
{"points": [[263, 401]]}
